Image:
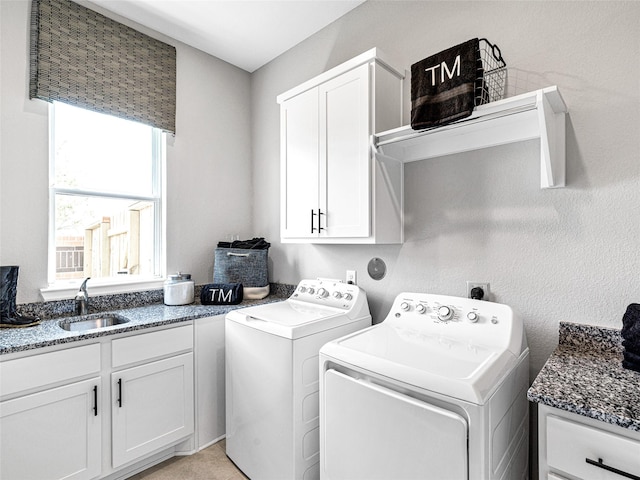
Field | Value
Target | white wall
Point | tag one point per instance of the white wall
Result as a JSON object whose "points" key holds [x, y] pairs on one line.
{"points": [[208, 164], [570, 254]]}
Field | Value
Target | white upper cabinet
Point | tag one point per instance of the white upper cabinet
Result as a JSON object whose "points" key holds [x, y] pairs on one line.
{"points": [[333, 190]]}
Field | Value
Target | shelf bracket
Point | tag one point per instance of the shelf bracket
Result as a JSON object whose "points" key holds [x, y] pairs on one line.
{"points": [[552, 143]]}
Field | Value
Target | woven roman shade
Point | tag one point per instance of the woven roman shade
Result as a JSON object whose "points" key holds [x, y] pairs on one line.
{"points": [[83, 58]]}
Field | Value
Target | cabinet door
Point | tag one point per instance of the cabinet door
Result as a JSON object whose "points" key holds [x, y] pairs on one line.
{"points": [[52, 434], [152, 407], [299, 165], [344, 154]]}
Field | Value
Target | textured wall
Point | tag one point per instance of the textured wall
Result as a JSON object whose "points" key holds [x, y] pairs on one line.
{"points": [[569, 254], [208, 161]]}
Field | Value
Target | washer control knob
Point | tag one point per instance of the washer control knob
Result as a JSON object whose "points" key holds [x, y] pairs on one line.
{"points": [[311, 291], [445, 313], [348, 297], [337, 295], [322, 292], [404, 306], [472, 317], [302, 289], [421, 308]]}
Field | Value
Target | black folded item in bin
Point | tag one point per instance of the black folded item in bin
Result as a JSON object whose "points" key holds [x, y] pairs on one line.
{"points": [[221, 294], [443, 86], [253, 244]]}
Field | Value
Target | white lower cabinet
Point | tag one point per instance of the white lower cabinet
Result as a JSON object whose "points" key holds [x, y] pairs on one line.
{"points": [[153, 407], [152, 403], [102, 409], [576, 447], [52, 434], [51, 415]]}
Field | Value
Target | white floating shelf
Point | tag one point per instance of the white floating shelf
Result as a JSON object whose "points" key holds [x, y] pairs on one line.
{"points": [[538, 114]]}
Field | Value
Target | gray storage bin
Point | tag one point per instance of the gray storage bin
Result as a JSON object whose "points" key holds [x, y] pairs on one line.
{"points": [[240, 265]]}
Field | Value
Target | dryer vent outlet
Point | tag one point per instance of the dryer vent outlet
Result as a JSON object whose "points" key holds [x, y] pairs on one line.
{"points": [[486, 291]]}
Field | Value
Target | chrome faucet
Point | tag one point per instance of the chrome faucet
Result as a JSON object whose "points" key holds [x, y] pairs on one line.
{"points": [[82, 299]]}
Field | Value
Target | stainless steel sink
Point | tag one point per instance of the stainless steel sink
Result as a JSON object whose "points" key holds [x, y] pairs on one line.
{"points": [[93, 322]]}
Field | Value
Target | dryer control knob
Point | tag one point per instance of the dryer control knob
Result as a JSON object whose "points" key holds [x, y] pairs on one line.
{"points": [[348, 297], [337, 295], [445, 313], [302, 289], [405, 306], [472, 317], [311, 291], [322, 292], [421, 308]]}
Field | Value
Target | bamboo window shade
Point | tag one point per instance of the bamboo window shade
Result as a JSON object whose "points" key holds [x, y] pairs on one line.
{"points": [[83, 58]]}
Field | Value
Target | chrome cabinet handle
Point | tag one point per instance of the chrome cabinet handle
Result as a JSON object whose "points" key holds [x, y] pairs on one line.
{"points": [[313, 214], [95, 400], [320, 228], [600, 464]]}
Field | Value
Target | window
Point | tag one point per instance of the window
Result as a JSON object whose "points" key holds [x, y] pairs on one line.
{"points": [[105, 196]]}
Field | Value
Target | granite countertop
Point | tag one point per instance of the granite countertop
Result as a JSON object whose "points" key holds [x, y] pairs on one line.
{"points": [[585, 376], [49, 333]]}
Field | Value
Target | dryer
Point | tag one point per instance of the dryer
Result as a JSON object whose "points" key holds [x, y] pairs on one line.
{"points": [[436, 391], [272, 384]]}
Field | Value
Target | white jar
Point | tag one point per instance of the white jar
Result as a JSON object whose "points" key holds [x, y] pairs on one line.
{"points": [[178, 289]]}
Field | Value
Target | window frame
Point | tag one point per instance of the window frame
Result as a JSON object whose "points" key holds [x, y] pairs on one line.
{"points": [[62, 289]]}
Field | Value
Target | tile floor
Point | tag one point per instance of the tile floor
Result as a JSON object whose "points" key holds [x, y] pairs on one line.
{"points": [[210, 463]]}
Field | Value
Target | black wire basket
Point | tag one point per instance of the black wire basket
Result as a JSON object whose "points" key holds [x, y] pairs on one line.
{"points": [[492, 74]]}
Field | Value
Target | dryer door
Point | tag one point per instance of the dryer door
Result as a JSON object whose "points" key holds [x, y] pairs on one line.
{"points": [[369, 432]]}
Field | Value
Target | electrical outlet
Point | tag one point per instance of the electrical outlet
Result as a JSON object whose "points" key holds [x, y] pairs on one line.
{"points": [[483, 285], [351, 277]]}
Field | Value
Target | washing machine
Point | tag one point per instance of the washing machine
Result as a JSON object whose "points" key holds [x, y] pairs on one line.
{"points": [[272, 376], [435, 391]]}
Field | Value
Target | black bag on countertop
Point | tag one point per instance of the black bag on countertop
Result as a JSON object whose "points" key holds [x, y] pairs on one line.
{"points": [[221, 294]]}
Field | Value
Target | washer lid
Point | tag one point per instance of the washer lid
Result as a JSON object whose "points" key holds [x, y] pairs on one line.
{"points": [[444, 365], [290, 319]]}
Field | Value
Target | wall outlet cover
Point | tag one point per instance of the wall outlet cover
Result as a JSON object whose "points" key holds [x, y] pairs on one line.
{"points": [[485, 286]]}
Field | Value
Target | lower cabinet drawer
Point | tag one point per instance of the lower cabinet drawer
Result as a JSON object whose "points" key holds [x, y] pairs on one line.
{"points": [[147, 346], [44, 369], [589, 453]]}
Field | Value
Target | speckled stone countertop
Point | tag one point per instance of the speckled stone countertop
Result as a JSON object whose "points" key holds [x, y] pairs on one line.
{"points": [[585, 376], [49, 332]]}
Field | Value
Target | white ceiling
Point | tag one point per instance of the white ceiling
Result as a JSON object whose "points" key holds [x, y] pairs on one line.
{"points": [[245, 33]]}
